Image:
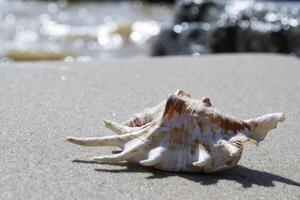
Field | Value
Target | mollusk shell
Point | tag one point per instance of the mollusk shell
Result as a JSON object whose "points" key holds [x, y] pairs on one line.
{"points": [[182, 134]]}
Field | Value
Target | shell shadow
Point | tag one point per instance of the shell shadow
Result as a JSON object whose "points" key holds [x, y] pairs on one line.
{"points": [[245, 176]]}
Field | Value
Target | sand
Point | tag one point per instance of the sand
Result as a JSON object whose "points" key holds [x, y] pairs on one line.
{"points": [[41, 103]]}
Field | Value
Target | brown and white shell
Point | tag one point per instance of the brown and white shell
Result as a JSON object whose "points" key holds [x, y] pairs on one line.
{"points": [[182, 134]]}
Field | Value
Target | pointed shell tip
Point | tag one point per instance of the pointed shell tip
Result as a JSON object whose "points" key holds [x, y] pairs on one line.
{"points": [[280, 117]]}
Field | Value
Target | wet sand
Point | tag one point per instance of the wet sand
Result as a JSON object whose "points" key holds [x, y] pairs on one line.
{"points": [[41, 103]]}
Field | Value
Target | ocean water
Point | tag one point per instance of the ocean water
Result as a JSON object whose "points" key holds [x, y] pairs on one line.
{"points": [[82, 31]]}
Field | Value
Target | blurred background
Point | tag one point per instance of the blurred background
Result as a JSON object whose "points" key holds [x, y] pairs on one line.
{"points": [[95, 30]]}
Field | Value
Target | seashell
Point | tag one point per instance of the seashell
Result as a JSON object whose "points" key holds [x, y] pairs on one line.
{"points": [[182, 134]]}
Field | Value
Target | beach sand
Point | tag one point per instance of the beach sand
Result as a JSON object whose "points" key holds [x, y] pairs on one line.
{"points": [[42, 103]]}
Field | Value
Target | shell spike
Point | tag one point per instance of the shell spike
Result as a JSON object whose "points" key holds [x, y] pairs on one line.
{"points": [[233, 150], [115, 140], [182, 93], [97, 141], [117, 128], [204, 158], [129, 151], [155, 156], [174, 104], [206, 101], [260, 126]]}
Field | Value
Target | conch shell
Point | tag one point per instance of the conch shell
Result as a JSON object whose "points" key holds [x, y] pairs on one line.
{"points": [[182, 134]]}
